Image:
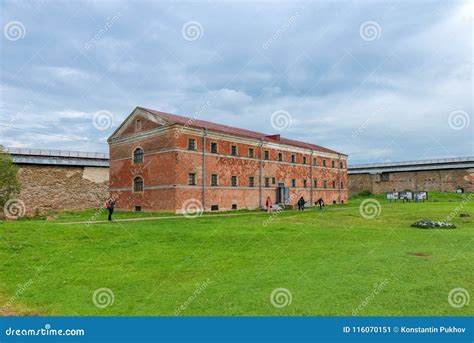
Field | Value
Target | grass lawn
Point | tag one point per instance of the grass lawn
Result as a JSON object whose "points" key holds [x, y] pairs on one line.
{"points": [[331, 262]]}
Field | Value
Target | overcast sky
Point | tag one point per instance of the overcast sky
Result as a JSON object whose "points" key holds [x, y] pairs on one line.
{"points": [[380, 81]]}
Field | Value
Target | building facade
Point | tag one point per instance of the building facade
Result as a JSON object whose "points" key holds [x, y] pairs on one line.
{"points": [[164, 162], [440, 175]]}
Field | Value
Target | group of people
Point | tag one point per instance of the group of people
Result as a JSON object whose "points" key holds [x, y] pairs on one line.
{"points": [[301, 202]]}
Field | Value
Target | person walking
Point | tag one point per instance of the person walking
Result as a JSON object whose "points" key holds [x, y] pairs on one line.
{"points": [[269, 205], [320, 202], [110, 205], [301, 203]]}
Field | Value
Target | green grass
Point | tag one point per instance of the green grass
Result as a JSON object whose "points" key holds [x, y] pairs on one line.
{"points": [[329, 260]]}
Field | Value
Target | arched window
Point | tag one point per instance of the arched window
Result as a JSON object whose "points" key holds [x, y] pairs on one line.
{"points": [[138, 155], [138, 184]]}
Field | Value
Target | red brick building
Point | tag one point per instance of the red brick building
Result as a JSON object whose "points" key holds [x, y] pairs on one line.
{"points": [[164, 162]]}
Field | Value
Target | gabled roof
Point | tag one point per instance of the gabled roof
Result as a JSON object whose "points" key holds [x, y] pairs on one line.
{"points": [[202, 124]]}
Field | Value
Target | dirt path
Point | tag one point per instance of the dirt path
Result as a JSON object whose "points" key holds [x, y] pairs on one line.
{"points": [[163, 217]]}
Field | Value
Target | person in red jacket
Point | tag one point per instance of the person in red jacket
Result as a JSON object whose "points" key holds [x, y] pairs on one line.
{"points": [[269, 205]]}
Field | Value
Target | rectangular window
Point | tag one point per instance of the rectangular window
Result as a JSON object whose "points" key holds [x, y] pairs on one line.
{"points": [[293, 183], [304, 159], [305, 183], [251, 152], [214, 207], [341, 165], [138, 125], [267, 182], [214, 180], [325, 184], [315, 162], [273, 180], [233, 150], [251, 181], [293, 159], [234, 206], [214, 148], [315, 183], [280, 156], [233, 181], [342, 185], [138, 208], [332, 164], [324, 163], [334, 184], [191, 144], [267, 155], [191, 179]]}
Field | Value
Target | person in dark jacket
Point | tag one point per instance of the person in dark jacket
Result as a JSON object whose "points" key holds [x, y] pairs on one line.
{"points": [[320, 202], [110, 205], [301, 203]]}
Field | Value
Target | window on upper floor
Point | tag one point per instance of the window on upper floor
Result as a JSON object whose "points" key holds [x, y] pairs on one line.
{"points": [[233, 150], [324, 163], [305, 183], [315, 183], [333, 164], [233, 181], [293, 182], [191, 144], [251, 152], [192, 179], [267, 182], [280, 156], [266, 155], [251, 181], [315, 161], [304, 159], [214, 148], [138, 155], [293, 158]]}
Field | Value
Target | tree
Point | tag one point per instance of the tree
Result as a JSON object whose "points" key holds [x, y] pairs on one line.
{"points": [[9, 184]]}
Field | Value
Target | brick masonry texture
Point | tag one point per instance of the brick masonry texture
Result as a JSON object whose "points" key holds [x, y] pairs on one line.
{"points": [[437, 180], [167, 164], [53, 188]]}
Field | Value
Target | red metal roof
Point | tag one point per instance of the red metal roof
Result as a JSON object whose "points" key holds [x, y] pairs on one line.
{"points": [[202, 124]]}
